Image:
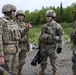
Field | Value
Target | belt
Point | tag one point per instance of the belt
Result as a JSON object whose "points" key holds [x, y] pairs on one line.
{"points": [[9, 43]]}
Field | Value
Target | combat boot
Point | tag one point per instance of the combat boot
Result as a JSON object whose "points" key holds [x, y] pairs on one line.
{"points": [[54, 72], [19, 72], [41, 72]]}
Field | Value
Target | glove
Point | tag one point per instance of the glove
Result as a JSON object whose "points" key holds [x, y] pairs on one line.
{"points": [[59, 50]]}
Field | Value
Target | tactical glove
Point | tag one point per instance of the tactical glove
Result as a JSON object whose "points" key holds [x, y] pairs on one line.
{"points": [[59, 50]]}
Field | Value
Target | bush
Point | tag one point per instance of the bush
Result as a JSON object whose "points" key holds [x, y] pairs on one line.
{"points": [[68, 30], [34, 34], [67, 25]]}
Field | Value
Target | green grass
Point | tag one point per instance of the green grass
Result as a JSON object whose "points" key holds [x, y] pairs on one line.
{"points": [[35, 32]]}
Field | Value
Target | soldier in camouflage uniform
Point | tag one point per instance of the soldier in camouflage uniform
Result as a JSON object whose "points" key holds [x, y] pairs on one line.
{"points": [[51, 34], [73, 48], [9, 36], [24, 42]]}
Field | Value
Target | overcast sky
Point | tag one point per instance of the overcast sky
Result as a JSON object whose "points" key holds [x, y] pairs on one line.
{"points": [[32, 5]]}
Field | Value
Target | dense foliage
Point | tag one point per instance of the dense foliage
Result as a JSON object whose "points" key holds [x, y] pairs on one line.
{"points": [[63, 14]]}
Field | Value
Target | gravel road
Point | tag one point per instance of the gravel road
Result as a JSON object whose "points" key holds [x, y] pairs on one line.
{"points": [[63, 63]]}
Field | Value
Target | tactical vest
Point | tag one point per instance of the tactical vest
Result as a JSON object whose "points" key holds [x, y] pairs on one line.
{"points": [[10, 36], [48, 34]]}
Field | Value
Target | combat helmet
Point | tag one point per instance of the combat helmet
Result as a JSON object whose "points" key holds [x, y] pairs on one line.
{"points": [[20, 12], [13, 7], [8, 8], [50, 13]]}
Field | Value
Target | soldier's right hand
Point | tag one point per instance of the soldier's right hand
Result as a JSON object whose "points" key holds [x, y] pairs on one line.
{"points": [[2, 62], [28, 25]]}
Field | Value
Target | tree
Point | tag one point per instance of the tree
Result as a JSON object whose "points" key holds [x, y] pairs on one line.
{"points": [[61, 13]]}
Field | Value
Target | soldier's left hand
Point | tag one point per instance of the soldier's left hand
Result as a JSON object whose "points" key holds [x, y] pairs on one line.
{"points": [[28, 25]]}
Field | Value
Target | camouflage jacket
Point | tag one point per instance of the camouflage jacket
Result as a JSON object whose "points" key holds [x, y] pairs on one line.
{"points": [[24, 40], [73, 40], [55, 29], [73, 37], [9, 35]]}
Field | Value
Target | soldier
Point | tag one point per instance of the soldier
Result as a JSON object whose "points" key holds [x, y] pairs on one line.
{"points": [[51, 34], [9, 36], [24, 42], [73, 48]]}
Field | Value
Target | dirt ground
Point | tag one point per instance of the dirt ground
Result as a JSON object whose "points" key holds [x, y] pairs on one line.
{"points": [[63, 63]]}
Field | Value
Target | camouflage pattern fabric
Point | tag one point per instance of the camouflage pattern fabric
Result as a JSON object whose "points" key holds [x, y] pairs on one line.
{"points": [[9, 35], [73, 37], [49, 49], [73, 48], [23, 45], [20, 12], [74, 68], [8, 8]]}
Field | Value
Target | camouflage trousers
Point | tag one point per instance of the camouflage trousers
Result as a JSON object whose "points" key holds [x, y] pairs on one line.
{"points": [[9, 64], [21, 57], [74, 64], [74, 68], [22, 54], [15, 64], [74, 60], [48, 51]]}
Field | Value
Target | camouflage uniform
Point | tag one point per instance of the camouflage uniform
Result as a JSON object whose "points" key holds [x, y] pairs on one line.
{"points": [[9, 36], [23, 43], [73, 48], [24, 46], [48, 42]]}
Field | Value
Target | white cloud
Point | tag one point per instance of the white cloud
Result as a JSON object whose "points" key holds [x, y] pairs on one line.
{"points": [[31, 5]]}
